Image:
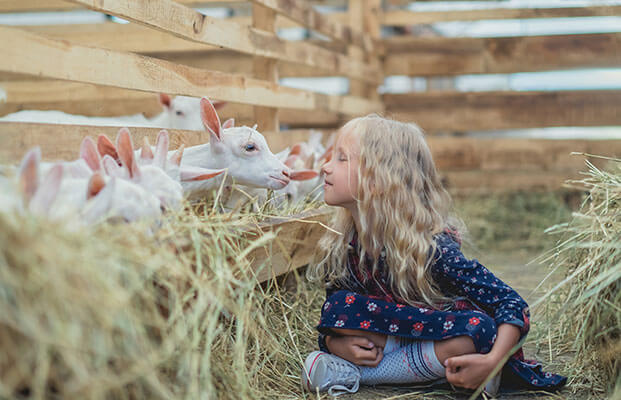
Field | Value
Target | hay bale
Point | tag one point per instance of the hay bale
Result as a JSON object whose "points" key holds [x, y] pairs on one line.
{"points": [[114, 312], [585, 308]]}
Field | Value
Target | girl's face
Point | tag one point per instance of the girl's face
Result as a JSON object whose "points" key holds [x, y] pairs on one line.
{"points": [[341, 173]]}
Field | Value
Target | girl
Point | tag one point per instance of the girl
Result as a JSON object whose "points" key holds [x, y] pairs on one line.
{"points": [[403, 303]]}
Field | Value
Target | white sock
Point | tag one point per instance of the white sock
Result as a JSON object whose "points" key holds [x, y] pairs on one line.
{"points": [[412, 363]]}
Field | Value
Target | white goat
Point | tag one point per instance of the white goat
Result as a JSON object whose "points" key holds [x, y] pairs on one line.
{"points": [[181, 112]]}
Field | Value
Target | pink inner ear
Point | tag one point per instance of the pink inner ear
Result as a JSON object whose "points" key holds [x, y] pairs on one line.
{"points": [[229, 123], [165, 100], [198, 174], [126, 151], [210, 118], [88, 152], [177, 156], [145, 152], [29, 173], [106, 147], [290, 161], [296, 149], [303, 175], [161, 149]]}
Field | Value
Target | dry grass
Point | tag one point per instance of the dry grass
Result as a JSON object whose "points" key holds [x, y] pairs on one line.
{"points": [[584, 309]]}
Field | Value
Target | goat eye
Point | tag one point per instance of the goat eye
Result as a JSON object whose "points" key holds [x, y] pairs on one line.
{"points": [[250, 147], [179, 112]]}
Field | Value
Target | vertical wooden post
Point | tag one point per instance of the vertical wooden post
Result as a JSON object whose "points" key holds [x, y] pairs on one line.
{"points": [[364, 16], [265, 68]]}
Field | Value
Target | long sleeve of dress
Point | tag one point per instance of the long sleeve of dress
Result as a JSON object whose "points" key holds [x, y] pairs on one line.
{"points": [[455, 274]]}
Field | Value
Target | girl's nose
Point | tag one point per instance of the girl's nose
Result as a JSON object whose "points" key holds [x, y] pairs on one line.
{"points": [[325, 169]]}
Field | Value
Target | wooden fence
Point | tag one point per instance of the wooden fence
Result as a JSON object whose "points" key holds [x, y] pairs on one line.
{"points": [[111, 68]]}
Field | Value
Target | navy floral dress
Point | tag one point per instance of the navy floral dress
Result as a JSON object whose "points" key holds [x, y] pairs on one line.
{"points": [[481, 302]]}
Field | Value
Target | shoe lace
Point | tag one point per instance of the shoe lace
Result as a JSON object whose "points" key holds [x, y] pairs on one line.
{"points": [[345, 375]]}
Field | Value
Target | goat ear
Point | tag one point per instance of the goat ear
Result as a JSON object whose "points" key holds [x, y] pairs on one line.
{"points": [[111, 166], [177, 156], [126, 152], [296, 149], [106, 147], [303, 175], [290, 161], [327, 155], [198, 174], [219, 104], [29, 174], [88, 152], [210, 118], [310, 162], [164, 100], [47, 192], [229, 123], [95, 184], [145, 151], [161, 149]]}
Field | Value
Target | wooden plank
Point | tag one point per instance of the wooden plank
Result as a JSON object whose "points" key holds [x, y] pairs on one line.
{"points": [[406, 17], [456, 56], [130, 71], [265, 68], [513, 154], [92, 100], [184, 22], [303, 13], [62, 142], [9, 6], [474, 111], [294, 246], [471, 182]]}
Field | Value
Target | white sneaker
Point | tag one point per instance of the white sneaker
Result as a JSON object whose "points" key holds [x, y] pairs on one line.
{"points": [[492, 387], [327, 372]]}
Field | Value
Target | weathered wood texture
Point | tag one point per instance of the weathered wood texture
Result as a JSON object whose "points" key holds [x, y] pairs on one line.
{"points": [[455, 56], [189, 24], [131, 71], [480, 111], [302, 12]]}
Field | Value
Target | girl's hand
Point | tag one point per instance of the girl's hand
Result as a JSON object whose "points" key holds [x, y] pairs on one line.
{"points": [[355, 349], [470, 370]]}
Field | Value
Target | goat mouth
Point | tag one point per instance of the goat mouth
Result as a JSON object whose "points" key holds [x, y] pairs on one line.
{"points": [[284, 182]]}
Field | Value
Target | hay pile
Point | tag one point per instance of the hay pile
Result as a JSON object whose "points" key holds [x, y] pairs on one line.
{"points": [[114, 312], [584, 310]]}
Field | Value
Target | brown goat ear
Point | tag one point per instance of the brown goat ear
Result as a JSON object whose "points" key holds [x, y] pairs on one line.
{"points": [[106, 147], [165, 100], [303, 175], [95, 184]]}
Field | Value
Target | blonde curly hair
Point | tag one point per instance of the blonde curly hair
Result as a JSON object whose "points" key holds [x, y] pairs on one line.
{"points": [[401, 205]]}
